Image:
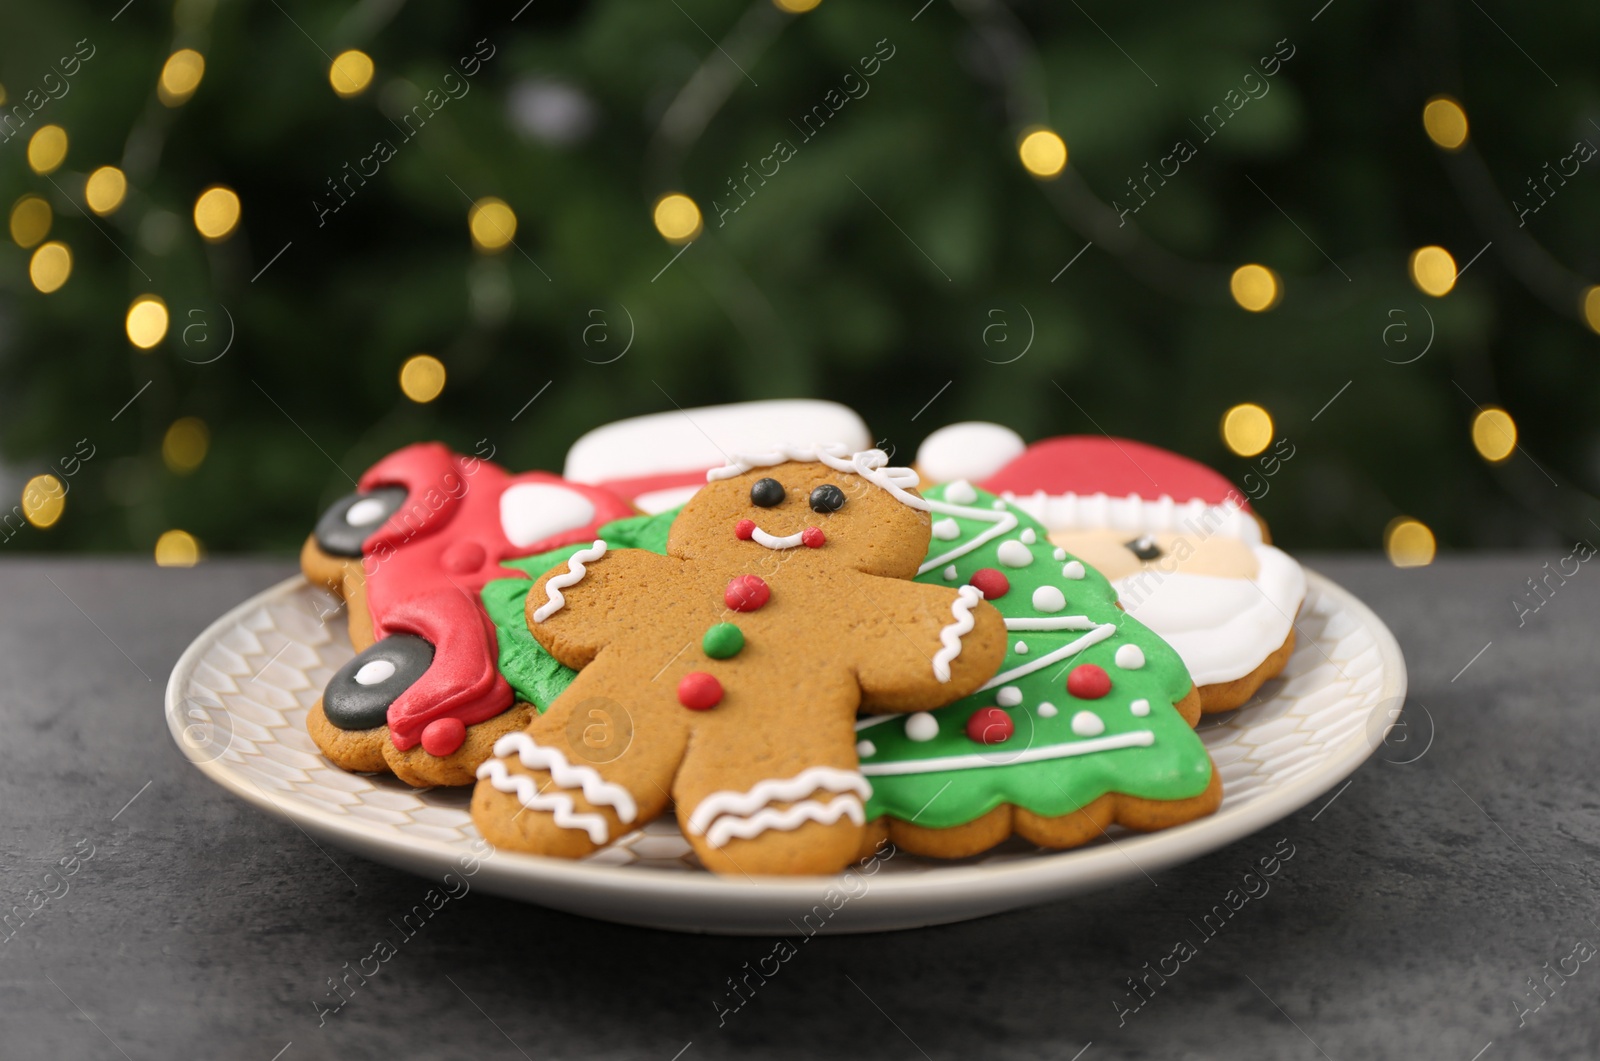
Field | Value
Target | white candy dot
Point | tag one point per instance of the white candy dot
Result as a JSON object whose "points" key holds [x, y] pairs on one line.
{"points": [[946, 529], [1130, 657], [1047, 710], [998, 505], [367, 510], [866, 749], [1014, 554], [1140, 707], [1010, 696], [1028, 536], [922, 726], [1021, 648], [960, 492], [1087, 724], [1073, 569], [375, 671], [1060, 554], [950, 573], [1049, 599]]}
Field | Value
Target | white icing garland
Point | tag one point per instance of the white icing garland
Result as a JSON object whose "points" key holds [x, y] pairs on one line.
{"points": [[1053, 622], [809, 810], [774, 790], [596, 789], [1071, 648], [1133, 739], [574, 574], [559, 804], [967, 598]]}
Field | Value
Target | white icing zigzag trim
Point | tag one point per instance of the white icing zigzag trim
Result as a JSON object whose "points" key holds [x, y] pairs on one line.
{"points": [[1138, 515], [574, 575], [967, 598], [596, 789], [1134, 739], [559, 804], [774, 790], [870, 464], [790, 818]]}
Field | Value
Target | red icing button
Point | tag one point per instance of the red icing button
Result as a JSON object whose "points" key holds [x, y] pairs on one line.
{"points": [[991, 583], [990, 725], [812, 537], [746, 593], [1088, 682], [443, 736], [463, 558], [744, 530], [699, 691]]}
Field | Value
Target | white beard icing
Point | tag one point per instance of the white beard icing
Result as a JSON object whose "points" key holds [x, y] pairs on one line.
{"points": [[1223, 628]]}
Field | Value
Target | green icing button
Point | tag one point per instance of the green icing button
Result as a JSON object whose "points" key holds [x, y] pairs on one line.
{"points": [[722, 641]]}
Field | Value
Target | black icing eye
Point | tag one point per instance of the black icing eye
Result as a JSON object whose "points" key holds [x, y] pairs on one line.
{"points": [[767, 493], [1144, 548], [352, 519], [360, 692], [827, 498]]}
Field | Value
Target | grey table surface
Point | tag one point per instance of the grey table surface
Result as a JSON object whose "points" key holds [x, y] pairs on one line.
{"points": [[1418, 904]]}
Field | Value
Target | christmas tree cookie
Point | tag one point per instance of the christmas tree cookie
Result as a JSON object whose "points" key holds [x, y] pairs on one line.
{"points": [[1087, 722]]}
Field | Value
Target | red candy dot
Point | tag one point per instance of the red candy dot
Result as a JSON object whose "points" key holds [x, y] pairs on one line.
{"points": [[1088, 682], [990, 725], [443, 736], [812, 537], [744, 530], [746, 593], [991, 583], [699, 691]]}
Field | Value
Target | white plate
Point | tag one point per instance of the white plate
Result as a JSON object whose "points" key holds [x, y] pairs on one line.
{"points": [[237, 702]]}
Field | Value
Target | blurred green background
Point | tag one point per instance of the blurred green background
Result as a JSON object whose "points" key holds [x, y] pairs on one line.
{"points": [[900, 245]]}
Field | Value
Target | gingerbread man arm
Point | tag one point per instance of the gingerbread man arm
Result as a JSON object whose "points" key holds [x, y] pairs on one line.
{"points": [[919, 647], [572, 609]]}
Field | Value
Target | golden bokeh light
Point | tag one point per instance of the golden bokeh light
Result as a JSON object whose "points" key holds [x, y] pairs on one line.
{"points": [[177, 548], [795, 7], [50, 266], [30, 220], [1043, 153], [1494, 434], [493, 224], [43, 500], [1433, 270], [216, 212], [1247, 429], [180, 77], [47, 149], [1255, 288], [1409, 542], [677, 217], [1445, 122], [422, 378], [1591, 308], [350, 73], [105, 190], [147, 321], [185, 445]]}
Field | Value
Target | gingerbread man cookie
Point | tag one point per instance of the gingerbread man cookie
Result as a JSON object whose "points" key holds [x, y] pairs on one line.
{"points": [[784, 603]]}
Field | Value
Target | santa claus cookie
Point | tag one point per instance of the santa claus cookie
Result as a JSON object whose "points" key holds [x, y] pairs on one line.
{"points": [[1187, 555], [409, 552], [739, 659], [1088, 722]]}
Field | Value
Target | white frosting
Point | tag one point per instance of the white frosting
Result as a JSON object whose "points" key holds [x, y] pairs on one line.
{"points": [[596, 789], [559, 804], [532, 512], [1049, 599], [866, 749], [1047, 709], [1087, 724], [1059, 554], [772, 541], [1073, 569], [1010, 696], [1140, 707], [970, 450], [950, 635], [1071, 648], [374, 671], [922, 727], [1054, 622], [554, 601], [727, 828], [1028, 536], [1014, 554], [960, 492], [950, 573], [1020, 648], [1133, 739], [1134, 514], [742, 805], [367, 510], [946, 529], [1130, 657]]}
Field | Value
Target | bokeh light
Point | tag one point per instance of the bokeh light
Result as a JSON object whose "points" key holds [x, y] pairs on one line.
{"points": [[43, 500], [50, 266], [1409, 542], [1494, 434], [1445, 122], [677, 218], [185, 445], [47, 149], [180, 77], [105, 190], [1433, 270], [795, 7], [30, 220], [1591, 308], [422, 378], [350, 73], [216, 212], [493, 224], [177, 548], [1255, 288], [1247, 429], [1043, 153], [147, 321]]}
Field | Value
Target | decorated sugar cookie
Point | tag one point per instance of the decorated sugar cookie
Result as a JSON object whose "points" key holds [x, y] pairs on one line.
{"points": [[1088, 721], [409, 552], [1187, 555], [737, 662]]}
